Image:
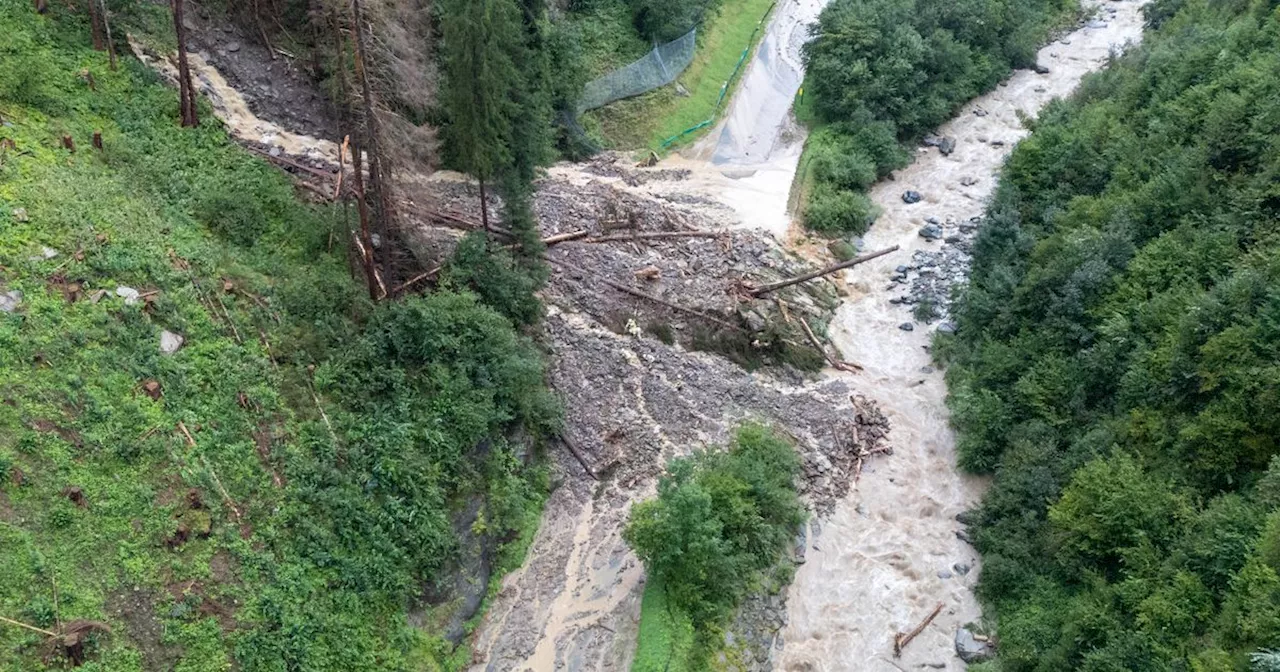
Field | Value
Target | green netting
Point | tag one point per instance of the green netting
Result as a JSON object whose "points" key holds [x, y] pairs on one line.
{"points": [[657, 68]]}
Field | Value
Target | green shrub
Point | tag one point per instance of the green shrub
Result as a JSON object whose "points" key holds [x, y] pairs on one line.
{"points": [[719, 520], [839, 211], [493, 274], [665, 20], [232, 216]]}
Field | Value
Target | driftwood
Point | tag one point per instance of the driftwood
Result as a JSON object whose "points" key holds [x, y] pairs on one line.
{"points": [[625, 237], [835, 363], [901, 640], [582, 459], [775, 286], [689, 311]]}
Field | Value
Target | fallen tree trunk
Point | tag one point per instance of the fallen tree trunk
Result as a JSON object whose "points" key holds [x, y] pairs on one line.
{"points": [[775, 286], [573, 448], [564, 237], [689, 311], [835, 363], [901, 640], [653, 235]]}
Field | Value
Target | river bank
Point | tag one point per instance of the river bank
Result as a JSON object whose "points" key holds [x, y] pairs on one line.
{"points": [[893, 548]]}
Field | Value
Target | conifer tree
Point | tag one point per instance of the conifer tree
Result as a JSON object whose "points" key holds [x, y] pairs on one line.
{"points": [[481, 80]]}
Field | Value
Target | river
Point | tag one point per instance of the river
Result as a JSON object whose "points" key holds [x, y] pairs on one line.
{"points": [[889, 552]]}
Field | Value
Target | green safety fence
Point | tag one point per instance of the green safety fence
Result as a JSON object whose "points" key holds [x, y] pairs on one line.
{"points": [[724, 88]]}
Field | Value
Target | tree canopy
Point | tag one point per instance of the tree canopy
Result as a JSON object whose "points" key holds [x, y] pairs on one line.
{"points": [[1117, 362]]}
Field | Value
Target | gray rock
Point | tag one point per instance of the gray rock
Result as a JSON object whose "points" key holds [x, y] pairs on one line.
{"points": [[910, 197], [997, 143], [947, 146], [931, 140], [20, 214], [10, 300], [129, 294], [931, 232], [944, 574], [907, 326], [1096, 23], [1041, 69], [926, 369], [170, 342], [970, 649], [952, 240], [979, 112], [233, 46], [276, 152], [961, 568], [902, 269], [968, 181], [947, 328]]}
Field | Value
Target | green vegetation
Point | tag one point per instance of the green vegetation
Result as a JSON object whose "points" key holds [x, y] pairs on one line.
{"points": [[721, 519], [279, 491], [666, 639], [884, 72], [649, 119], [1117, 363]]}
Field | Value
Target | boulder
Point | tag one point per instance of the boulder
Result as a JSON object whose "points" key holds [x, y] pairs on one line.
{"points": [[947, 146], [947, 328], [970, 649], [1041, 69], [170, 342], [129, 294], [907, 326], [10, 300], [910, 197], [931, 232]]}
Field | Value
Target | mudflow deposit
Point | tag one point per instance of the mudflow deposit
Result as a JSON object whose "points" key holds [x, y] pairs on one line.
{"points": [[641, 323]]}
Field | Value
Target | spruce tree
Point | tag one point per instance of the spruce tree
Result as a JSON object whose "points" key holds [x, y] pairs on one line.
{"points": [[481, 79]]}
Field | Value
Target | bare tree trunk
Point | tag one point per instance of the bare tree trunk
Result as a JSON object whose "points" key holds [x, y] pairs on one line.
{"points": [[186, 92], [484, 213], [379, 170], [106, 25], [42, 6], [366, 237], [95, 26]]}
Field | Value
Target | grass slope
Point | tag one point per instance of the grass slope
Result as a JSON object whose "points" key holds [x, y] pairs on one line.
{"points": [[647, 120], [224, 523]]}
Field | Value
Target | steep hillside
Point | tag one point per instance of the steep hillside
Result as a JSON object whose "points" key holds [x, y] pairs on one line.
{"points": [[1117, 361], [211, 443]]}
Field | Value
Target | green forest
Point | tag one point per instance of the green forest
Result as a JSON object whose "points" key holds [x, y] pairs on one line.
{"points": [[882, 73], [1117, 364]]}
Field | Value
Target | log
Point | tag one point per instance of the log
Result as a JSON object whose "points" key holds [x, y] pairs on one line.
{"points": [[775, 286], [416, 279], [835, 363], [563, 237], [573, 448], [286, 161], [68, 143], [653, 235], [901, 640], [673, 306]]}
